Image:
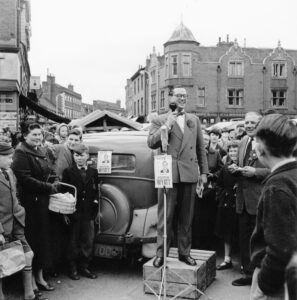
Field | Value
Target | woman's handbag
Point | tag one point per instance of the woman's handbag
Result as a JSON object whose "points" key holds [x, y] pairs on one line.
{"points": [[12, 258], [63, 203]]}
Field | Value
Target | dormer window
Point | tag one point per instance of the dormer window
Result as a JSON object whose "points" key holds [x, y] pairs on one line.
{"points": [[235, 69], [279, 70]]}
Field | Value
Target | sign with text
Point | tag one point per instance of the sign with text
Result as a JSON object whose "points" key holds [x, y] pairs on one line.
{"points": [[163, 171], [104, 162]]}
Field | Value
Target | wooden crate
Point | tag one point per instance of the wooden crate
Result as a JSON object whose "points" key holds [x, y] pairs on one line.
{"points": [[196, 276], [202, 255]]}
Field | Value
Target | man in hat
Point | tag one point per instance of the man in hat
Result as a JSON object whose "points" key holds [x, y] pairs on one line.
{"points": [[12, 217], [82, 233], [181, 134]]}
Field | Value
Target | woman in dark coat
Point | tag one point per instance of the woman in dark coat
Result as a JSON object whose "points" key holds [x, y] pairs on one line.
{"points": [[205, 207], [226, 197], [31, 168]]}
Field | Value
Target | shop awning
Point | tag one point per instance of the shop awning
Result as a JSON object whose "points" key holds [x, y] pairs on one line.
{"points": [[42, 111]]}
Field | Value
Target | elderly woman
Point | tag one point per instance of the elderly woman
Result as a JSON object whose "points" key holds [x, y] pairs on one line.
{"points": [[31, 168]]}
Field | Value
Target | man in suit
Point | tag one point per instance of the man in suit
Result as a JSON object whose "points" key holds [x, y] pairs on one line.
{"points": [[63, 152], [180, 134], [82, 232], [250, 173]]}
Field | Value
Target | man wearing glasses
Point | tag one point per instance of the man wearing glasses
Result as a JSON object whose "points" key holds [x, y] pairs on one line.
{"points": [[179, 134]]}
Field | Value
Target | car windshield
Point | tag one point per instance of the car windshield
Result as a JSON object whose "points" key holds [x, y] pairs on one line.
{"points": [[120, 162]]}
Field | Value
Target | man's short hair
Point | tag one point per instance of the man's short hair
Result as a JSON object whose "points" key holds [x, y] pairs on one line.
{"points": [[80, 149], [279, 134]]}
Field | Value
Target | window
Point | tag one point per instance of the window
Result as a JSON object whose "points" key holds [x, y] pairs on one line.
{"points": [[153, 76], [235, 97], [279, 98], [138, 84], [201, 97], [141, 82], [166, 66], [153, 102], [174, 65], [279, 70], [162, 100], [134, 87], [235, 69], [135, 109], [138, 107], [141, 106], [186, 65]]}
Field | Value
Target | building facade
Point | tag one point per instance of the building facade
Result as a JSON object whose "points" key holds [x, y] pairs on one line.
{"points": [[109, 106], [15, 33], [87, 108], [225, 81], [61, 100]]}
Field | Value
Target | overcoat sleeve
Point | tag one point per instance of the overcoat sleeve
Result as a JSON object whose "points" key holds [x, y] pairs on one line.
{"points": [[22, 171], [154, 137]]}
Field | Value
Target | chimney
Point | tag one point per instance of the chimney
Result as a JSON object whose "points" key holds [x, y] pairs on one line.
{"points": [[70, 87], [50, 79], [118, 102], [227, 38], [220, 40]]}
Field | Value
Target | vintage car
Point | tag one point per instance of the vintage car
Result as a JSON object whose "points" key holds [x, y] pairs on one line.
{"points": [[127, 217]]}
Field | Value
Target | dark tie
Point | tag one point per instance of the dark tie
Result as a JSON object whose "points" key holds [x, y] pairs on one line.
{"points": [[248, 152], [5, 174], [83, 173]]}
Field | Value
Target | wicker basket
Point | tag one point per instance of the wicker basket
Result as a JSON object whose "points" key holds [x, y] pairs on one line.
{"points": [[63, 203]]}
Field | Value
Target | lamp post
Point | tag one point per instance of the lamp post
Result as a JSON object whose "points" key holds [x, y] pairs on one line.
{"points": [[149, 90]]}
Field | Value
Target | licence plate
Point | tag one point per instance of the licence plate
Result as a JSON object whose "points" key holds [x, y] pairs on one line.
{"points": [[108, 251]]}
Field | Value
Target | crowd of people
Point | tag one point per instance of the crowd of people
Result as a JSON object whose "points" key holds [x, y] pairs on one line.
{"points": [[32, 171], [248, 199]]}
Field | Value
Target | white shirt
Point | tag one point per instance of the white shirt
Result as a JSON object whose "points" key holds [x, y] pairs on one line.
{"points": [[180, 120]]}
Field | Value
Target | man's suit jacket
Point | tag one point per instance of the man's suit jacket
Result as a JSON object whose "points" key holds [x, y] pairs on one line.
{"points": [[187, 149], [249, 188], [63, 158], [10, 208], [87, 191]]}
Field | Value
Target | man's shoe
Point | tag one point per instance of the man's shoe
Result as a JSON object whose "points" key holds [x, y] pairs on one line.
{"points": [[242, 281], [224, 266], [73, 275], [87, 273], [158, 262], [187, 259]]}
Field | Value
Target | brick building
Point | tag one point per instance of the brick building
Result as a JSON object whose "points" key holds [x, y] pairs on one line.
{"points": [[64, 101], [224, 81], [87, 109], [15, 33]]}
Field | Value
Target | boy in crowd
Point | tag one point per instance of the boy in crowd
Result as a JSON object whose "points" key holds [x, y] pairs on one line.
{"points": [[12, 218], [274, 239], [82, 234]]}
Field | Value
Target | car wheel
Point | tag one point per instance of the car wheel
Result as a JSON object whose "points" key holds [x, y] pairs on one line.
{"points": [[115, 213]]}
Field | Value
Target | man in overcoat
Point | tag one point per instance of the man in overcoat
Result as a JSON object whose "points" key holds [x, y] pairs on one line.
{"points": [[251, 173], [181, 134]]}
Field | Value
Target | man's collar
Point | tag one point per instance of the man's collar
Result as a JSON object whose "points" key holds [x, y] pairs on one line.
{"points": [[84, 166], [282, 163]]}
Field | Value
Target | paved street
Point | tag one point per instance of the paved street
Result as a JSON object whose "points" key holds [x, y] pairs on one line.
{"points": [[119, 280]]}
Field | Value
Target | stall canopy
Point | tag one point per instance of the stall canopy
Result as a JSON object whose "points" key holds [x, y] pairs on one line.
{"points": [[42, 111], [103, 120]]}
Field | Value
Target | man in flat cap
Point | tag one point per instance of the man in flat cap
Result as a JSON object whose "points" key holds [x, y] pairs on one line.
{"points": [[82, 232]]}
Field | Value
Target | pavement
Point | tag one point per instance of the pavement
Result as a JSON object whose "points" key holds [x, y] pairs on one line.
{"points": [[122, 280]]}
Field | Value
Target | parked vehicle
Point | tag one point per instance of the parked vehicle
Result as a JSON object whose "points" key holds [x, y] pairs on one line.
{"points": [[128, 204]]}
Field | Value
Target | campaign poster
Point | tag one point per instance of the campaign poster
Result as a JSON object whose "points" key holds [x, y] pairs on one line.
{"points": [[104, 162], [163, 171]]}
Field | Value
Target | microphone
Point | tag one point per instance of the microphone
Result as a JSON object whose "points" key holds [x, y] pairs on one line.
{"points": [[164, 138]]}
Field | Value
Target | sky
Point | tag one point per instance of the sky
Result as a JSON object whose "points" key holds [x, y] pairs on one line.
{"points": [[96, 45]]}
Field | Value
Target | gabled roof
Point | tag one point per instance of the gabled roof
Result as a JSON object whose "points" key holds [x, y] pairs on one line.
{"points": [[100, 118]]}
